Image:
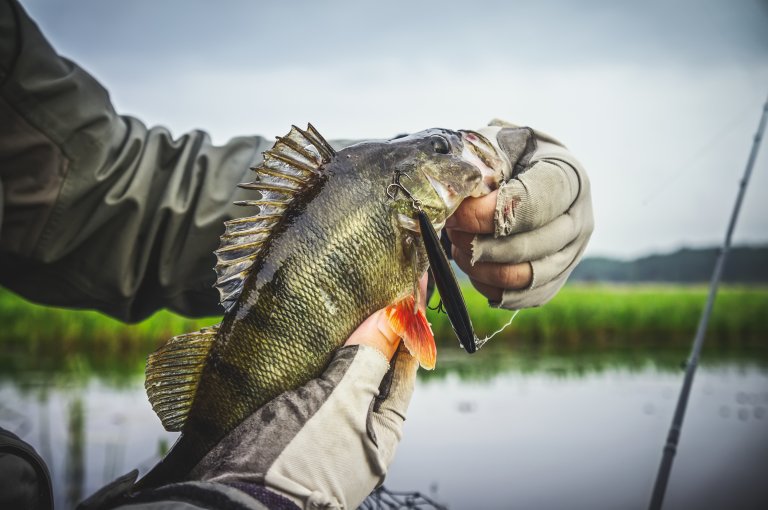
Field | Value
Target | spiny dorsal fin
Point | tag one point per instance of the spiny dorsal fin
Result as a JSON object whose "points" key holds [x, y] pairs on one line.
{"points": [[173, 374], [291, 166]]}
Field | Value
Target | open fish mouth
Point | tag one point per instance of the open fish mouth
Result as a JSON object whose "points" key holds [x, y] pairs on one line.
{"points": [[449, 198], [482, 154]]}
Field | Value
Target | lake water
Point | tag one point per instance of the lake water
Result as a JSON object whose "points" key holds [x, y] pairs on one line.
{"points": [[501, 429]]}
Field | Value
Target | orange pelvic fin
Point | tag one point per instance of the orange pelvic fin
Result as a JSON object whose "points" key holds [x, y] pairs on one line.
{"points": [[414, 330]]}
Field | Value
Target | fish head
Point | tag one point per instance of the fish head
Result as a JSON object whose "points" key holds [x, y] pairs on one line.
{"points": [[443, 168], [439, 168]]}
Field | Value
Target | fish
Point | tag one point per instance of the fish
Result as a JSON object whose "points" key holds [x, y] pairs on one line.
{"points": [[336, 237]]}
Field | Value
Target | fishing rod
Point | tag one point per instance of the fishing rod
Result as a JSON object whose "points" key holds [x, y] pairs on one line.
{"points": [[673, 436]]}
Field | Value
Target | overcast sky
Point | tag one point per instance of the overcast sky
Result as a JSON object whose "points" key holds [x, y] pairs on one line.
{"points": [[659, 100]]}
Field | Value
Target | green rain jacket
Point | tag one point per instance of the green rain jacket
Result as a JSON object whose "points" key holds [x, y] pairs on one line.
{"points": [[98, 210]]}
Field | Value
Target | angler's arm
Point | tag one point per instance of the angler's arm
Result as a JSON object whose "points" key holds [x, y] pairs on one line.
{"points": [[98, 211]]}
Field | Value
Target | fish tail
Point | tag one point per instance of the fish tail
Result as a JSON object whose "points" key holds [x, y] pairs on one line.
{"points": [[173, 375]]}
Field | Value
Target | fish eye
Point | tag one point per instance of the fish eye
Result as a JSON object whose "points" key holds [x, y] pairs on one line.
{"points": [[440, 145]]}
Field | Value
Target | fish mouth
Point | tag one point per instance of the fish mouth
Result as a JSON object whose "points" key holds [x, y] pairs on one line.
{"points": [[479, 152], [449, 198]]}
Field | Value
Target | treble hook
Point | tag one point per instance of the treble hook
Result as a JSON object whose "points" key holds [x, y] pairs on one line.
{"points": [[415, 202], [439, 307]]}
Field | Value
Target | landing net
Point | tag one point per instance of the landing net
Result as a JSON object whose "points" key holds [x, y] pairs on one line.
{"points": [[385, 499]]}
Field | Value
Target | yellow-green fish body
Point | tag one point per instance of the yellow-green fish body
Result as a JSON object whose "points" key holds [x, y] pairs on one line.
{"points": [[328, 248]]}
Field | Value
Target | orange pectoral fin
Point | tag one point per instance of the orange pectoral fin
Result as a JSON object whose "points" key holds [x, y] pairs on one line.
{"points": [[414, 330]]}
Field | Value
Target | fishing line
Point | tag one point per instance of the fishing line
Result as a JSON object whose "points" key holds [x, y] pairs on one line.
{"points": [[690, 165], [481, 343], [685, 168]]}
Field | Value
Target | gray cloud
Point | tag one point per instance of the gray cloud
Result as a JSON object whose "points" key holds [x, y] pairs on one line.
{"points": [[326, 33], [658, 99]]}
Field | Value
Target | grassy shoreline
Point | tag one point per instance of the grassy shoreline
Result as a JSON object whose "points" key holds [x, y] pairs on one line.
{"points": [[594, 312], [638, 323]]}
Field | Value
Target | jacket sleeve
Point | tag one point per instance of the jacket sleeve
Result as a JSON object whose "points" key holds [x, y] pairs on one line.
{"points": [[98, 211]]}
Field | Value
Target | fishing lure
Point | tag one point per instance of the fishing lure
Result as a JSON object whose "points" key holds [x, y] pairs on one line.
{"points": [[452, 300]]}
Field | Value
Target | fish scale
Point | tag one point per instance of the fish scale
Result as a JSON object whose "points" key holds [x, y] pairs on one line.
{"points": [[295, 288]]}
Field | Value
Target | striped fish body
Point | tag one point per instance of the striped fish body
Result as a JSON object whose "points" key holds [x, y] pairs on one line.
{"points": [[336, 259]]}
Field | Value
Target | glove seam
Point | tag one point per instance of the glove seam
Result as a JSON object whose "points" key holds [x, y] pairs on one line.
{"points": [[575, 170]]}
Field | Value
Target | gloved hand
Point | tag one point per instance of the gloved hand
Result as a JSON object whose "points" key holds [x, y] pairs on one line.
{"points": [[519, 244], [329, 443]]}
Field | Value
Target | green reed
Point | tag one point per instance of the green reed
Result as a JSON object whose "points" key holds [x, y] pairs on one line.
{"points": [[586, 325], [36, 338], [633, 312], [26, 321]]}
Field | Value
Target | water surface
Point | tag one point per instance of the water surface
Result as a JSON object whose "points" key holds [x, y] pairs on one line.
{"points": [[520, 427]]}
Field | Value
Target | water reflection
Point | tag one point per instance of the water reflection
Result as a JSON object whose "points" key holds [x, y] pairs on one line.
{"points": [[542, 441], [75, 460], [522, 426]]}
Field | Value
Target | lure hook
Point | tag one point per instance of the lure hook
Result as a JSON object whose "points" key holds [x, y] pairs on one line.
{"points": [[415, 202], [439, 308]]}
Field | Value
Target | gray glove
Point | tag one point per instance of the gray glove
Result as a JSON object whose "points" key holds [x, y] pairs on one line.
{"points": [[327, 444], [543, 215]]}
